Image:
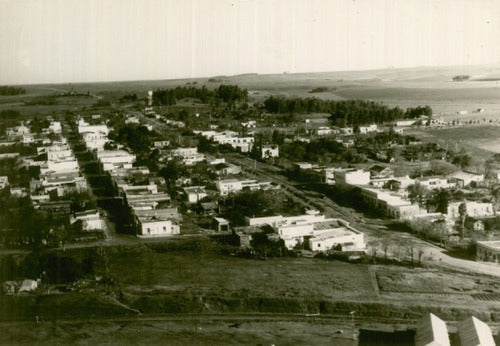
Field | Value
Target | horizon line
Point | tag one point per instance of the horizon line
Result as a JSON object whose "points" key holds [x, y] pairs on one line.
{"points": [[497, 64]]}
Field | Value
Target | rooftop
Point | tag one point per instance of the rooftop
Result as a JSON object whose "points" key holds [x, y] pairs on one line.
{"points": [[492, 244]]}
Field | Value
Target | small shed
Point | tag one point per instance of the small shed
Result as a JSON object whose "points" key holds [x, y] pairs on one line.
{"points": [[28, 286], [221, 224]]}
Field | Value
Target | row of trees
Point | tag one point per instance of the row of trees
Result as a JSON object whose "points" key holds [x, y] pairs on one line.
{"points": [[10, 90], [343, 113], [413, 113], [225, 93]]}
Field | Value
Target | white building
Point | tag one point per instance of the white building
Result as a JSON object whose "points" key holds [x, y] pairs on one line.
{"points": [[195, 193], [227, 186], [318, 232], [161, 144], [324, 131], [431, 330], [95, 140], [55, 127], [352, 177], [474, 332], [474, 209], [368, 129], [189, 156], [488, 251], [465, 178], [4, 181], [157, 222], [91, 220], [114, 159], [432, 183], [331, 233], [83, 127], [390, 204], [268, 151]]}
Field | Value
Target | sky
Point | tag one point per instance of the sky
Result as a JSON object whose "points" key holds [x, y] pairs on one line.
{"points": [[60, 41]]}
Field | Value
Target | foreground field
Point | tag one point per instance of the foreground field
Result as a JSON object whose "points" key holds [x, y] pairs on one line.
{"points": [[191, 331]]}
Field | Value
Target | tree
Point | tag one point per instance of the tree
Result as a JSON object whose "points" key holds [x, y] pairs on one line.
{"points": [[417, 194], [439, 200], [462, 211]]}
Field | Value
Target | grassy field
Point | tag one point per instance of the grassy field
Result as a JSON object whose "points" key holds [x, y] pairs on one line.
{"points": [[483, 137], [205, 272], [188, 332], [425, 281]]}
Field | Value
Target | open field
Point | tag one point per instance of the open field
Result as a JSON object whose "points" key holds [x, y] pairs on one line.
{"points": [[426, 281], [187, 331], [402, 87], [203, 273], [483, 137]]}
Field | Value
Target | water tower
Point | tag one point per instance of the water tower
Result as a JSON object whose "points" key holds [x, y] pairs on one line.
{"points": [[150, 98]]}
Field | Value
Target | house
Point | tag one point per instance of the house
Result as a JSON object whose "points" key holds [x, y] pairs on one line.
{"points": [[346, 130], [313, 230], [28, 286], [228, 186], [189, 156], [333, 233], [303, 165], [57, 207], [249, 124], [4, 181], [84, 127], [465, 178], [488, 251], [55, 127], [346, 142], [474, 332], [378, 171], [352, 177], [132, 120], [268, 151], [115, 159], [161, 144], [209, 208], [324, 131], [95, 140], [90, 219], [405, 123], [157, 222], [195, 193], [473, 209], [368, 129], [431, 331], [432, 183], [221, 224], [390, 204]]}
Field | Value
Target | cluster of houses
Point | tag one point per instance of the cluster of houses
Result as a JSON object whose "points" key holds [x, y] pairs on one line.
{"points": [[59, 175], [148, 204], [241, 143], [388, 194], [312, 231]]}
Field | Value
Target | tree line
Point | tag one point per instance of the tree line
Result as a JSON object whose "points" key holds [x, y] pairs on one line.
{"points": [[9, 90], [343, 113], [225, 93]]}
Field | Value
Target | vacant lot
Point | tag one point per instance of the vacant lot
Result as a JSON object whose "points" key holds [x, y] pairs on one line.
{"points": [[483, 137], [425, 281], [208, 273], [186, 332]]}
